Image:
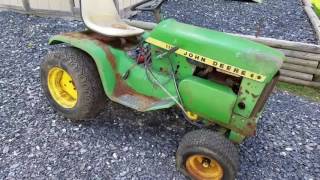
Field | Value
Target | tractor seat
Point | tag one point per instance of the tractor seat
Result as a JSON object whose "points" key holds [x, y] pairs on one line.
{"points": [[102, 17]]}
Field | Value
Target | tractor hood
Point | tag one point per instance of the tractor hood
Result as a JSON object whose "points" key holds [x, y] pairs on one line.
{"points": [[220, 47]]}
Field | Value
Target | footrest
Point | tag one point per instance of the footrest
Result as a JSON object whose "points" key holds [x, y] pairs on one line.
{"points": [[143, 103]]}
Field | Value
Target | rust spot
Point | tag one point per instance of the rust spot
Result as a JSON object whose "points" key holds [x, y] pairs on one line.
{"points": [[240, 91], [108, 41], [251, 125], [105, 42], [99, 37], [109, 55], [254, 96], [100, 40], [248, 130], [120, 26], [264, 95], [123, 89]]}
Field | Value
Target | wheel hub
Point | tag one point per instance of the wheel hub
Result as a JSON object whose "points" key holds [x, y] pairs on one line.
{"points": [[206, 162], [204, 168], [62, 88]]}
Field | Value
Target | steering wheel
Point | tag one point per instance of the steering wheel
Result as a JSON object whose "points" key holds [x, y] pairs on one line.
{"points": [[149, 5]]}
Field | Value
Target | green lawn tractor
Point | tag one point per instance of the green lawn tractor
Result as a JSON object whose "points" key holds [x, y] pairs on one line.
{"points": [[218, 81]]}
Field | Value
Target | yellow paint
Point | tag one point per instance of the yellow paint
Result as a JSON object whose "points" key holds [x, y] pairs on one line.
{"points": [[232, 70], [62, 88], [192, 116], [201, 167]]}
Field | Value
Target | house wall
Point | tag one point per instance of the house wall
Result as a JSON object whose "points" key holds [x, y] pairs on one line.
{"points": [[53, 7]]}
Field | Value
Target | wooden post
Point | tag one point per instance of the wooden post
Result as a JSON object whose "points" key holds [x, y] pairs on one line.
{"points": [[316, 78], [307, 3], [296, 75], [301, 55], [303, 69], [303, 62], [299, 82], [72, 6], [26, 5], [283, 44], [314, 19]]}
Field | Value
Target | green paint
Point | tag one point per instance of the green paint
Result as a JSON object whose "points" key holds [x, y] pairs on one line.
{"points": [[236, 137], [137, 79], [225, 48], [249, 94], [208, 99], [107, 74], [239, 124], [212, 101], [181, 66]]}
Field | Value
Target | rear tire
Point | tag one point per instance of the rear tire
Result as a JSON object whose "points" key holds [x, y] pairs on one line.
{"points": [[88, 97], [204, 154]]}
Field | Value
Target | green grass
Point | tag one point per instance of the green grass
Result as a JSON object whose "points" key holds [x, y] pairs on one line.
{"points": [[307, 92], [316, 6]]}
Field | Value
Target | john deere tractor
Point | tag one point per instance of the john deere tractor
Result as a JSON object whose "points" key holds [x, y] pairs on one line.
{"points": [[215, 79]]}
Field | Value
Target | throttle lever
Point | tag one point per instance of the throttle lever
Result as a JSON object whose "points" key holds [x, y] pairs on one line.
{"points": [[172, 50]]}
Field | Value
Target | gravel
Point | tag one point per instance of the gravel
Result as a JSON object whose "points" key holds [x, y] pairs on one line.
{"points": [[36, 142], [285, 19]]}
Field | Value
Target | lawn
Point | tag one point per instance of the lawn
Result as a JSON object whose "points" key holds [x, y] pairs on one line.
{"points": [[316, 4], [308, 92]]}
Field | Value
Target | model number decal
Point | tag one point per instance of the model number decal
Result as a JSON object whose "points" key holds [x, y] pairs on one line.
{"points": [[211, 62]]}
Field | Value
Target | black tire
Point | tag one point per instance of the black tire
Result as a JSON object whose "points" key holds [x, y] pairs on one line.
{"points": [[212, 145], [80, 66]]}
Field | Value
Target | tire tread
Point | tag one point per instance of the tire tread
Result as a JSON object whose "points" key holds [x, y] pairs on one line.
{"points": [[83, 67]]}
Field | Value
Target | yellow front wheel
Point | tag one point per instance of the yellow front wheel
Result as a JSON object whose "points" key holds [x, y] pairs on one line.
{"points": [[207, 155], [71, 83], [203, 167]]}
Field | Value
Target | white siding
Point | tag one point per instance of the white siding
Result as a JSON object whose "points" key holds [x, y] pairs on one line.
{"points": [[77, 3], [11, 2], [122, 3], [60, 5]]}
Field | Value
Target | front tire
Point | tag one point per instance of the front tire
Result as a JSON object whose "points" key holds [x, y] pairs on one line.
{"points": [[207, 155], [71, 83]]}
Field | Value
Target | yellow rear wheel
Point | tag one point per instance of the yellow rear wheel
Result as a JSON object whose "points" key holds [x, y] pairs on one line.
{"points": [[62, 87], [71, 83]]}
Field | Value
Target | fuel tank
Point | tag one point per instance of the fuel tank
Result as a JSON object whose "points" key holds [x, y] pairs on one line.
{"points": [[221, 47]]}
